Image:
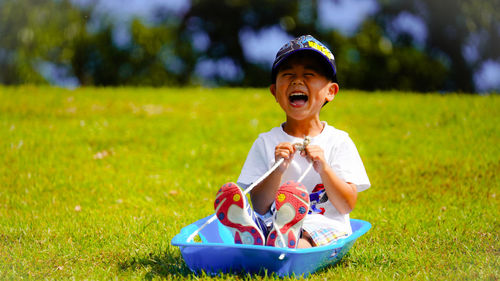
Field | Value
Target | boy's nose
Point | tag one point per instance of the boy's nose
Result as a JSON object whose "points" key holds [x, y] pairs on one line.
{"points": [[297, 81]]}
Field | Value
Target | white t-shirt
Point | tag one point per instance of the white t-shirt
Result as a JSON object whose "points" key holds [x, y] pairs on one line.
{"points": [[340, 153]]}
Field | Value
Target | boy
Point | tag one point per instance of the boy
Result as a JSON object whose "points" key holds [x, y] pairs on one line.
{"points": [[284, 214]]}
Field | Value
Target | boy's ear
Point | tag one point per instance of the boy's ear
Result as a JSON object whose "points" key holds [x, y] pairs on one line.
{"points": [[332, 91], [272, 88]]}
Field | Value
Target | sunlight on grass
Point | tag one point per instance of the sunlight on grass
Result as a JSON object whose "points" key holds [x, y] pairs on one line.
{"points": [[95, 182]]}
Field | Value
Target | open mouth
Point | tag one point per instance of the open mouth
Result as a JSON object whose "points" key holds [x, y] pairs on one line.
{"points": [[298, 99]]}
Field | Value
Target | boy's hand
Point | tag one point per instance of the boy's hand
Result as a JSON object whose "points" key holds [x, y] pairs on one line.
{"points": [[286, 151], [317, 155]]}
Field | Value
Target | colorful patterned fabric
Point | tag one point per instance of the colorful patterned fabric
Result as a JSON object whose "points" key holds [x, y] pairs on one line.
{"points": [[323, 236]]}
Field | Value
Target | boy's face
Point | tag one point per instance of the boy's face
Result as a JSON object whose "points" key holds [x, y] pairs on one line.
{"points": [[302, 88]]}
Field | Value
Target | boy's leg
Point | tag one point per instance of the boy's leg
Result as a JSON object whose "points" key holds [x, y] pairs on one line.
{"points": [[265, 221], [306, 241], [232, 210], [292, 206]]}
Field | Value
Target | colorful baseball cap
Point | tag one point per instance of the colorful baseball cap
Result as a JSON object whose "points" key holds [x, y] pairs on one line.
{"points": [[302, 43]]}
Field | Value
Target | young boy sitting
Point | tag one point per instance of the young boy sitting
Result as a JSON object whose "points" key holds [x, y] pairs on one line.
{"points": [[286, 213]]}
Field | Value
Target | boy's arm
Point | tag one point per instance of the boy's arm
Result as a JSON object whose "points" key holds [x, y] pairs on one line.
{"points": [[341, 194], [264, 193]]}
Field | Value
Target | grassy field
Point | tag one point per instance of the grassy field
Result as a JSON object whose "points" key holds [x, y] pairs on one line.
{"points": [[94, 183]]}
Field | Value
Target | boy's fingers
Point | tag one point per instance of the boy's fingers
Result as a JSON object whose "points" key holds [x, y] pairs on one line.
{"points": [[285, 147], [289, 147], [279, 155], [313, 152], [282, 153]]}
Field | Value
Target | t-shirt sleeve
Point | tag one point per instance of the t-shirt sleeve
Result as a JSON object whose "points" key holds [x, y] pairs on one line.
{"points": [[348, 165], [255, 165]]}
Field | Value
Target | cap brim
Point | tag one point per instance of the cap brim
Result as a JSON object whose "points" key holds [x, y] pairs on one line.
{"points": [[276, 65]]}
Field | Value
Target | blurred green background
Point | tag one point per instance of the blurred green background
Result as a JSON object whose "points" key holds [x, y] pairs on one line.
{"points": [[418, 45]]}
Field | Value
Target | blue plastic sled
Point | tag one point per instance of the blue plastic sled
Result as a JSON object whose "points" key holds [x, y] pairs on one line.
{"points": [[218, 253]]}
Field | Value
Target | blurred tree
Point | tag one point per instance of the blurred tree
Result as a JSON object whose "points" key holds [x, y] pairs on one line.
{"points": [[452, 26], [180, 49], [222, 22], [38, 33], [98, 61], [369, 61], [33, 33]]}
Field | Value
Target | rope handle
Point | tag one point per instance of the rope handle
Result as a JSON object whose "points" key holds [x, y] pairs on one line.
{"points": [[299, 146]]}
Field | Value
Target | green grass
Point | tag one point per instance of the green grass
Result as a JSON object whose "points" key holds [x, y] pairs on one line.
{"points": [[94, 183]]}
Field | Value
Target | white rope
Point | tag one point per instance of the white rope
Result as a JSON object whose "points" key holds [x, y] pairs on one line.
{"points": [[306, 171], [264, 176], [245, 192], [298, 146], [274, 219]]}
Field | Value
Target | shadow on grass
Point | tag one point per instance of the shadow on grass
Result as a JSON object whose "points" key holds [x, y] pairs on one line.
{"points": [[342, 263], [167, 264], [170, 264]]}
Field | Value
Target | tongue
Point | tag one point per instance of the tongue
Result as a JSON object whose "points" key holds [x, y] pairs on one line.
{"points": [[298, 102]]}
